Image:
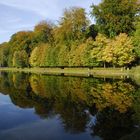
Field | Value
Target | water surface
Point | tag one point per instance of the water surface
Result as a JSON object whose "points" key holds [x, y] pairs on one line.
{"points": [[34, 107]]}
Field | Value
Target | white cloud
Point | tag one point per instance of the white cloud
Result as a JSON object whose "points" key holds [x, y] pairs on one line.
{"points": [[18, 15], [40, 7], [45, 8]]}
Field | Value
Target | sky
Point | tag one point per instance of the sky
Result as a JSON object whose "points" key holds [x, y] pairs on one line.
{"points": [[19, 15]]}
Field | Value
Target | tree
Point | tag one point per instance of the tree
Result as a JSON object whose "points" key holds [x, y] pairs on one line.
{"points": [[91, 31], [87, 58], [21, 41], [20, 59], [38, 56], [4, 54], [99, 45], [43, 32], [115, 52], [116, 16], [71, 26], [34, 57], [63, 55], [75, 58], [136, 39], [123, 50]]}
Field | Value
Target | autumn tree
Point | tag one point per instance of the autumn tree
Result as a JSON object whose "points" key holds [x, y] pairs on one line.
{"points": [[21, 41], [4, 54], [38, 56], [43, 32], [115, 16], [114, 52], [98, 46], [136, 40], [123, 50], [34, 57], [87, 58], [20, 59], [71, 26], [75, 58]]}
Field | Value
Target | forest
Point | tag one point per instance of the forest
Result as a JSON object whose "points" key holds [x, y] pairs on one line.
{"points": [[112, 41]]}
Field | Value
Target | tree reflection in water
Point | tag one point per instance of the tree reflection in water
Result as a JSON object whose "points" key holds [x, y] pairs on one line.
{"points": [[113, 105]]}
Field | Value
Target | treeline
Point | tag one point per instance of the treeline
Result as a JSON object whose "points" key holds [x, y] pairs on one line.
{"points": [[113, 41]]}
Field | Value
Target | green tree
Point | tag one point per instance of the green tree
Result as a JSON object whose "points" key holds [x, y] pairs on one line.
{"points": [[116, 16], [136, 39], [21, 41], [20, 59], [43, 32], [72, 26], [88, 58], [34, 57], [64, 53], [38, 56], [91, 31], [4, 54], [98, 46]]}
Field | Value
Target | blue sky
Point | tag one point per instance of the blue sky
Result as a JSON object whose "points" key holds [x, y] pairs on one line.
{"points": [[17, 15]]}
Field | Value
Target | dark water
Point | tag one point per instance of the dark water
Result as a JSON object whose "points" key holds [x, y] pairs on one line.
{"points": [[41, 107]]}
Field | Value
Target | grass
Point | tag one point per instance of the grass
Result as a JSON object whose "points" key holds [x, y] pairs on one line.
{"points": [[135, 74], [136, 70], [73, 71]]}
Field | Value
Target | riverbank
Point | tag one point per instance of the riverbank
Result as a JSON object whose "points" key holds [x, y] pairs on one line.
{"points": [[108, 72], [135, 74]]}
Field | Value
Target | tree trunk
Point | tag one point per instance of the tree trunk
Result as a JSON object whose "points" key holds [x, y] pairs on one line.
{"points": [[104, 65]]}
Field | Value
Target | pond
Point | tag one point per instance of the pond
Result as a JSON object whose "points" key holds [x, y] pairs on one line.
{"points": [[43, 107]]}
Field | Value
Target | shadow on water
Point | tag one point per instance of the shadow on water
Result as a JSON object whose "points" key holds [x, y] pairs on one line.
{"points": [[106, 109]]}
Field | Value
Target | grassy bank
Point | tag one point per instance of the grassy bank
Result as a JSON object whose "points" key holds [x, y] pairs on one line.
{"points": [[135, 74], [136, 70], [73, 71]]}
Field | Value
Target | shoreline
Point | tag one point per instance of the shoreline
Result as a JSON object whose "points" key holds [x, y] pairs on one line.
{"points": [[113, 72], [117, 73]]}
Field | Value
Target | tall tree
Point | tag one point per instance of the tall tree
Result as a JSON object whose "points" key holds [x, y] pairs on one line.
{"points": [[4, 54], [97, 51], [43, 32], [119, 51], [115, 52], [137, 39], [91, 31], [20, 59], [72, 25], [116, 16], [23, 40]]}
